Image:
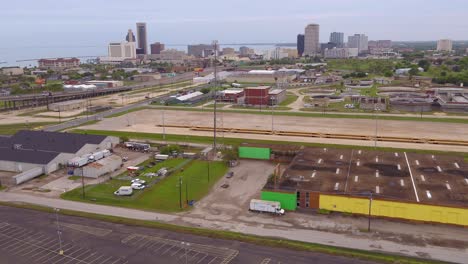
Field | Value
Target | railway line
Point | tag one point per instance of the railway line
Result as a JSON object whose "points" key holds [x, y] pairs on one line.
{"points": [[35, 100], [327, 135]]}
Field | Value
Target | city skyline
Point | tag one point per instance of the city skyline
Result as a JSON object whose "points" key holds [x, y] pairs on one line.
{"points": [[59, 22]]}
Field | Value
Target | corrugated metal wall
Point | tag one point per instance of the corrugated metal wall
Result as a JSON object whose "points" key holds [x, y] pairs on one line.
{"points": [[254, 153], [409, 211], [287, 200]]}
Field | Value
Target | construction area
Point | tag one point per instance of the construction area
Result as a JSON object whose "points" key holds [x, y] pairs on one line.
{"points": [[345, 180]]}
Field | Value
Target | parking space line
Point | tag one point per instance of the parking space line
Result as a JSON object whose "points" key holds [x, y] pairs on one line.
{"points": [[412, 179], [177, 251], [212, 260], [202, 258], [97, 259], [167, 250]]}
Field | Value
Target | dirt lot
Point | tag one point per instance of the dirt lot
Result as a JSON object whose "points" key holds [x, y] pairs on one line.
{"points": [[387, 174]]}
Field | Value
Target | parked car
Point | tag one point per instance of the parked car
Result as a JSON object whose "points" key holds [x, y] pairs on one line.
{"points": [[225, 186], [124, 191], [138, 181], [230, 175], [138, 186]]}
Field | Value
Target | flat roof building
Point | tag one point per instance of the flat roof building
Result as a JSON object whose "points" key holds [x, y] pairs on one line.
{"points": [[59, 63]]}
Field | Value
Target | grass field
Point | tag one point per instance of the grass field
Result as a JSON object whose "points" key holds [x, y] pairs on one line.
{"points": [[11, 129], [164, 195], [290, 98]]}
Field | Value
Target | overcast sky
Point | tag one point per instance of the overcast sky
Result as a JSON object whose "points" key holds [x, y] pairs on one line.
{"points": [[37, 23]]}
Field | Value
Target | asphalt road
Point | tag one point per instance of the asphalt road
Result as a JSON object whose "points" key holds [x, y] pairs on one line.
{"points": [[28, 236]]}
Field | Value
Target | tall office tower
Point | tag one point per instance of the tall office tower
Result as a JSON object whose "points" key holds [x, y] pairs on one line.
{"points": [[142, 38], [359, 41], [156, 48], [311, 40], [300, 44], [337, 38], [130, 36], [445, 45]]}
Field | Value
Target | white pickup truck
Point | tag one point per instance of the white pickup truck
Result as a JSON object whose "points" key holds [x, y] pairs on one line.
{"points": [[266, 207]]}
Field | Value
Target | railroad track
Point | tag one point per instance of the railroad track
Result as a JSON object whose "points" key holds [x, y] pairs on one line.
{"points": [[327, 135]]}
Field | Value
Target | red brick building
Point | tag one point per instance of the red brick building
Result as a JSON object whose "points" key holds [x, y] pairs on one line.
{"points": [[257, 95], [235, 96]]}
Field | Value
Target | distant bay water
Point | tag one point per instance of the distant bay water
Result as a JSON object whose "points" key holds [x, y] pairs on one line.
{"points": [[25, 56]]}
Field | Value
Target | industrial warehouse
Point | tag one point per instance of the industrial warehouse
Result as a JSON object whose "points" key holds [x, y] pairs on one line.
{"points": [[412, 186], [29, 154]]}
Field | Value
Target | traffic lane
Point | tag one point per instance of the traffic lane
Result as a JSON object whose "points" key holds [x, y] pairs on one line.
{"points": [[138, 244]]}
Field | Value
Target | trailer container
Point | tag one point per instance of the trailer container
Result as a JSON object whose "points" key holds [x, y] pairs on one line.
{"points": [[266, 207]]}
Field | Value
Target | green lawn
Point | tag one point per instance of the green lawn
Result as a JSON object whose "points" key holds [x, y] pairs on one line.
{"points": [[290, 98], [11, 129], [164, 195]]}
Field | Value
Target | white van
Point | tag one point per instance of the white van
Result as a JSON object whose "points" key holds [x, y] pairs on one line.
{"points": [[124, 190]]}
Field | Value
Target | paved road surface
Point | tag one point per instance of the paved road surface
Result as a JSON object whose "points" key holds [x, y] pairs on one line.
{"points": [[342, 240], [28, 236]]}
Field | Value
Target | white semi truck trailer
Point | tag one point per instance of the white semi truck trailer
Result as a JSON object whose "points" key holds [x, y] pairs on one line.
{"points": [[266, 207]]}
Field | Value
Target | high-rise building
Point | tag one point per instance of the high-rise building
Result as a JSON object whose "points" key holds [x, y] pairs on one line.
{"points": [[130, 36], [300, 44], [228, 51], [246, 51], [142, 38], [337, 38], [311, 40], [200, 50], [157, 47], [123, 50], [340, 53], [359, 41], [445, 45]]}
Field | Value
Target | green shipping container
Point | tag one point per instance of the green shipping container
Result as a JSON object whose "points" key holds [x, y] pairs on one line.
{"points": [[254, 153], [288, 200]]}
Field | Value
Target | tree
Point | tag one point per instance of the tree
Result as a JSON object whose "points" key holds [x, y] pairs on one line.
{"points": [[425, 64], [205, 90]]}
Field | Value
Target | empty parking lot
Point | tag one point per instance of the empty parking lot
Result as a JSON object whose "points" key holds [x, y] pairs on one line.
{"points": [[28, 236]]}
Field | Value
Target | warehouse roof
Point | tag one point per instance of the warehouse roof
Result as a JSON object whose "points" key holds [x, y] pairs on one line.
{"points": [[189, 96], [49, 141], [257, 88], [27, 156], [276, 91]]}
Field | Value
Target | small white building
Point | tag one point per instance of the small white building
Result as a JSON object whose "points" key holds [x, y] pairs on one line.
{"points": [[100, 167]]}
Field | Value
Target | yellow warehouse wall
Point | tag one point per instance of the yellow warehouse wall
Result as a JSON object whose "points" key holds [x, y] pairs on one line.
{"points": [[410, 211]]}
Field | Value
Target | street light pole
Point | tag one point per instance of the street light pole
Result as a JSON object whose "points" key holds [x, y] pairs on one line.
{"points": [[59, 233], [180, 192], [370, 212]]}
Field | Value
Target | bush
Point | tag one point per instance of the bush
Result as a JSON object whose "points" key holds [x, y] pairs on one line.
{"points": [[170, 148]]}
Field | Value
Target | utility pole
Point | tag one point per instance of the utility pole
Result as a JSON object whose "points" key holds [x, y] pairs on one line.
{"points": [[215, 46], [163, 124], [180, 192], [59, 232], [370, 212], [82, 182], [186, 190]]}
